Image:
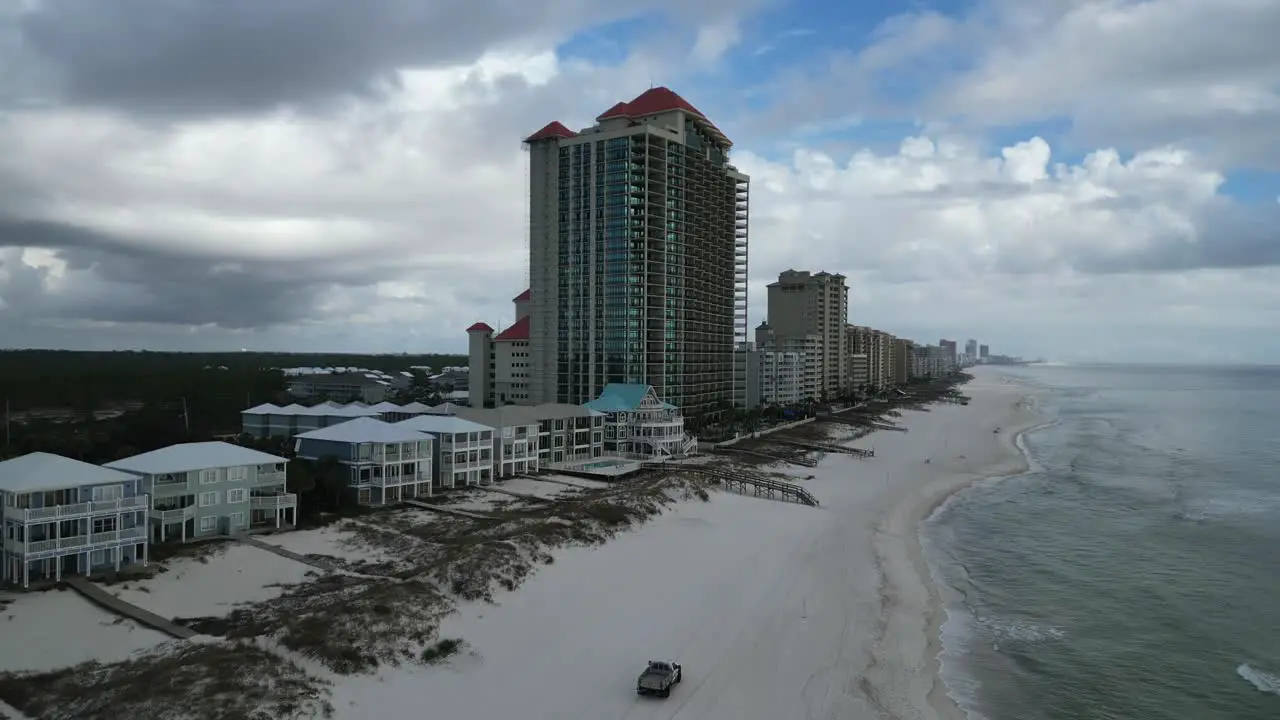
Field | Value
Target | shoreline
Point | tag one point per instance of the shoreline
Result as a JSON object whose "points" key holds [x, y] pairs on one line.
{"points": [[902, 556]]}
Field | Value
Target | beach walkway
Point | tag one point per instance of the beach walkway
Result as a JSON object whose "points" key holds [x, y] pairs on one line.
{"points": [[759, 485], [447, 511], [287, 554], [793, 459], [115, 605], [826, 447]]}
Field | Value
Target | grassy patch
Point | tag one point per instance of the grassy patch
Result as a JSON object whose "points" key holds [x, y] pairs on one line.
{"points": [[351, 625], [442, 651], [226, 681]]}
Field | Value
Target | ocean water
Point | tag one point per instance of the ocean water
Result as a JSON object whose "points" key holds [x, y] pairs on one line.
{"points": [[1134, 572]]}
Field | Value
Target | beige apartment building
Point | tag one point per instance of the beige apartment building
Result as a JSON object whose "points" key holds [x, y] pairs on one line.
{"points": [[637, 256], [803, 304], [877, 345]]}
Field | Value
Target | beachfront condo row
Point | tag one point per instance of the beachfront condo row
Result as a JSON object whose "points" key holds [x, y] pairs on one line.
{"points": [[66, 516], [808, 351], [395, 452]]}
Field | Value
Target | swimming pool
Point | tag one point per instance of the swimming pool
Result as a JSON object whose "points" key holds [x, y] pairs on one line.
{"points": [[601, 464]]}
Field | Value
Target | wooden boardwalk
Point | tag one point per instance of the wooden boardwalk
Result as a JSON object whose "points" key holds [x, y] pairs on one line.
{"points": [[794, 458], [446, 510], [861, 421], [758, 485], [115, 605], [826, 447]]}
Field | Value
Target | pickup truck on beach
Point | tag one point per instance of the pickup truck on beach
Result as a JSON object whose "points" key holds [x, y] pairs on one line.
{"points": [[659, 678]]}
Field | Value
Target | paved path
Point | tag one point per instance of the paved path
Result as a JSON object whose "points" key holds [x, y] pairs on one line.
{"points": [[287, 554], [107, 601], [447, 511]]}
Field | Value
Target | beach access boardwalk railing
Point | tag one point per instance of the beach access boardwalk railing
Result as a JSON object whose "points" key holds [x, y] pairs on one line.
{"points": [[794, 458], [760, 485], [826, 447], [861, 421]]}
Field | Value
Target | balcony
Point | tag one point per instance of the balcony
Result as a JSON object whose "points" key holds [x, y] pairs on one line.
{"points": [[273, 502], [175, 515], [395, 480], [269, 478], [38, 549], [85, 509]]}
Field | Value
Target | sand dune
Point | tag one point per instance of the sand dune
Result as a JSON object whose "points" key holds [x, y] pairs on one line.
{"points": [[775, 610]]}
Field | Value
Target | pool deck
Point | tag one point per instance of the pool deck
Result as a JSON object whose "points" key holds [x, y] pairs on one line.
{"points": [[615, 469]]}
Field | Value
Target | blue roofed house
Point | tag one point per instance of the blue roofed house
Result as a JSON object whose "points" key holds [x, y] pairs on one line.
{"points": [[204, 489], [387, 462], [464, 449], [61, 517], [639, 424]]}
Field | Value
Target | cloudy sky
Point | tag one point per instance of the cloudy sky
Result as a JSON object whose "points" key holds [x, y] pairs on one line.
{"points": [[1070, 178]]}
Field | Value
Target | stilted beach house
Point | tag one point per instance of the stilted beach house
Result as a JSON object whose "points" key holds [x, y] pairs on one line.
{"points": [[65, 517]]}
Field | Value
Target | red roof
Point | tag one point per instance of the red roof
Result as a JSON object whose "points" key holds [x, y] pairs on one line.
{"points": [[524, 296], [619, 110], [553, 129], [483, 327], [518, 331], [654, 101]]}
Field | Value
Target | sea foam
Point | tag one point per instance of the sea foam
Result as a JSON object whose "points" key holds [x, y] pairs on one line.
{"points": [[1264, 681]]}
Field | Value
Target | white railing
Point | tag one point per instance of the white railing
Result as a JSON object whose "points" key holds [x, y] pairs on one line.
{"points": [[174, 515], [78, 543], [273, 502], [61, 512], [268, 478]]}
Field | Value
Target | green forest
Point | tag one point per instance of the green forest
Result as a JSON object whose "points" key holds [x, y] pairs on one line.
{"points": [[101, 406]]}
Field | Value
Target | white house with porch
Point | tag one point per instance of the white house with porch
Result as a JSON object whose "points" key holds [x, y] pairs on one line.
{"points": [[385, 463], [60, 516], [205, 489], [639, 424]]}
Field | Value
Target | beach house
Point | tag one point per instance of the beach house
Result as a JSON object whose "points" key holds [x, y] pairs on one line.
{"points": [[62, 517], [205, 489], [515, 437], [385, 462], [463, 449], [639, 424]]}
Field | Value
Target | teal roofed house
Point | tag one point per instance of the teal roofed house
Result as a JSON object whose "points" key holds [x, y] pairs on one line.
{"points": [[638, 423]]}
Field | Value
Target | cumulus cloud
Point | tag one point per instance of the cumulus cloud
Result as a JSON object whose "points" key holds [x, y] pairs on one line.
{"points": [[1128, 73], [192, 56], [153, 192]]}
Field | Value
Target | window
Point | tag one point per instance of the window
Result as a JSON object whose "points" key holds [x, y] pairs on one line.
{"points": [[208, 476], [98, 557], [237, 474], [207, 499], [237, 520], [108, 492], [595, 438], [101, 525], [238, 495], [208, 523]]}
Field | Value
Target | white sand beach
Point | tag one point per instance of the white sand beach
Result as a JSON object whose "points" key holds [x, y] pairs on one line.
{"points": [[775, 610]]}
